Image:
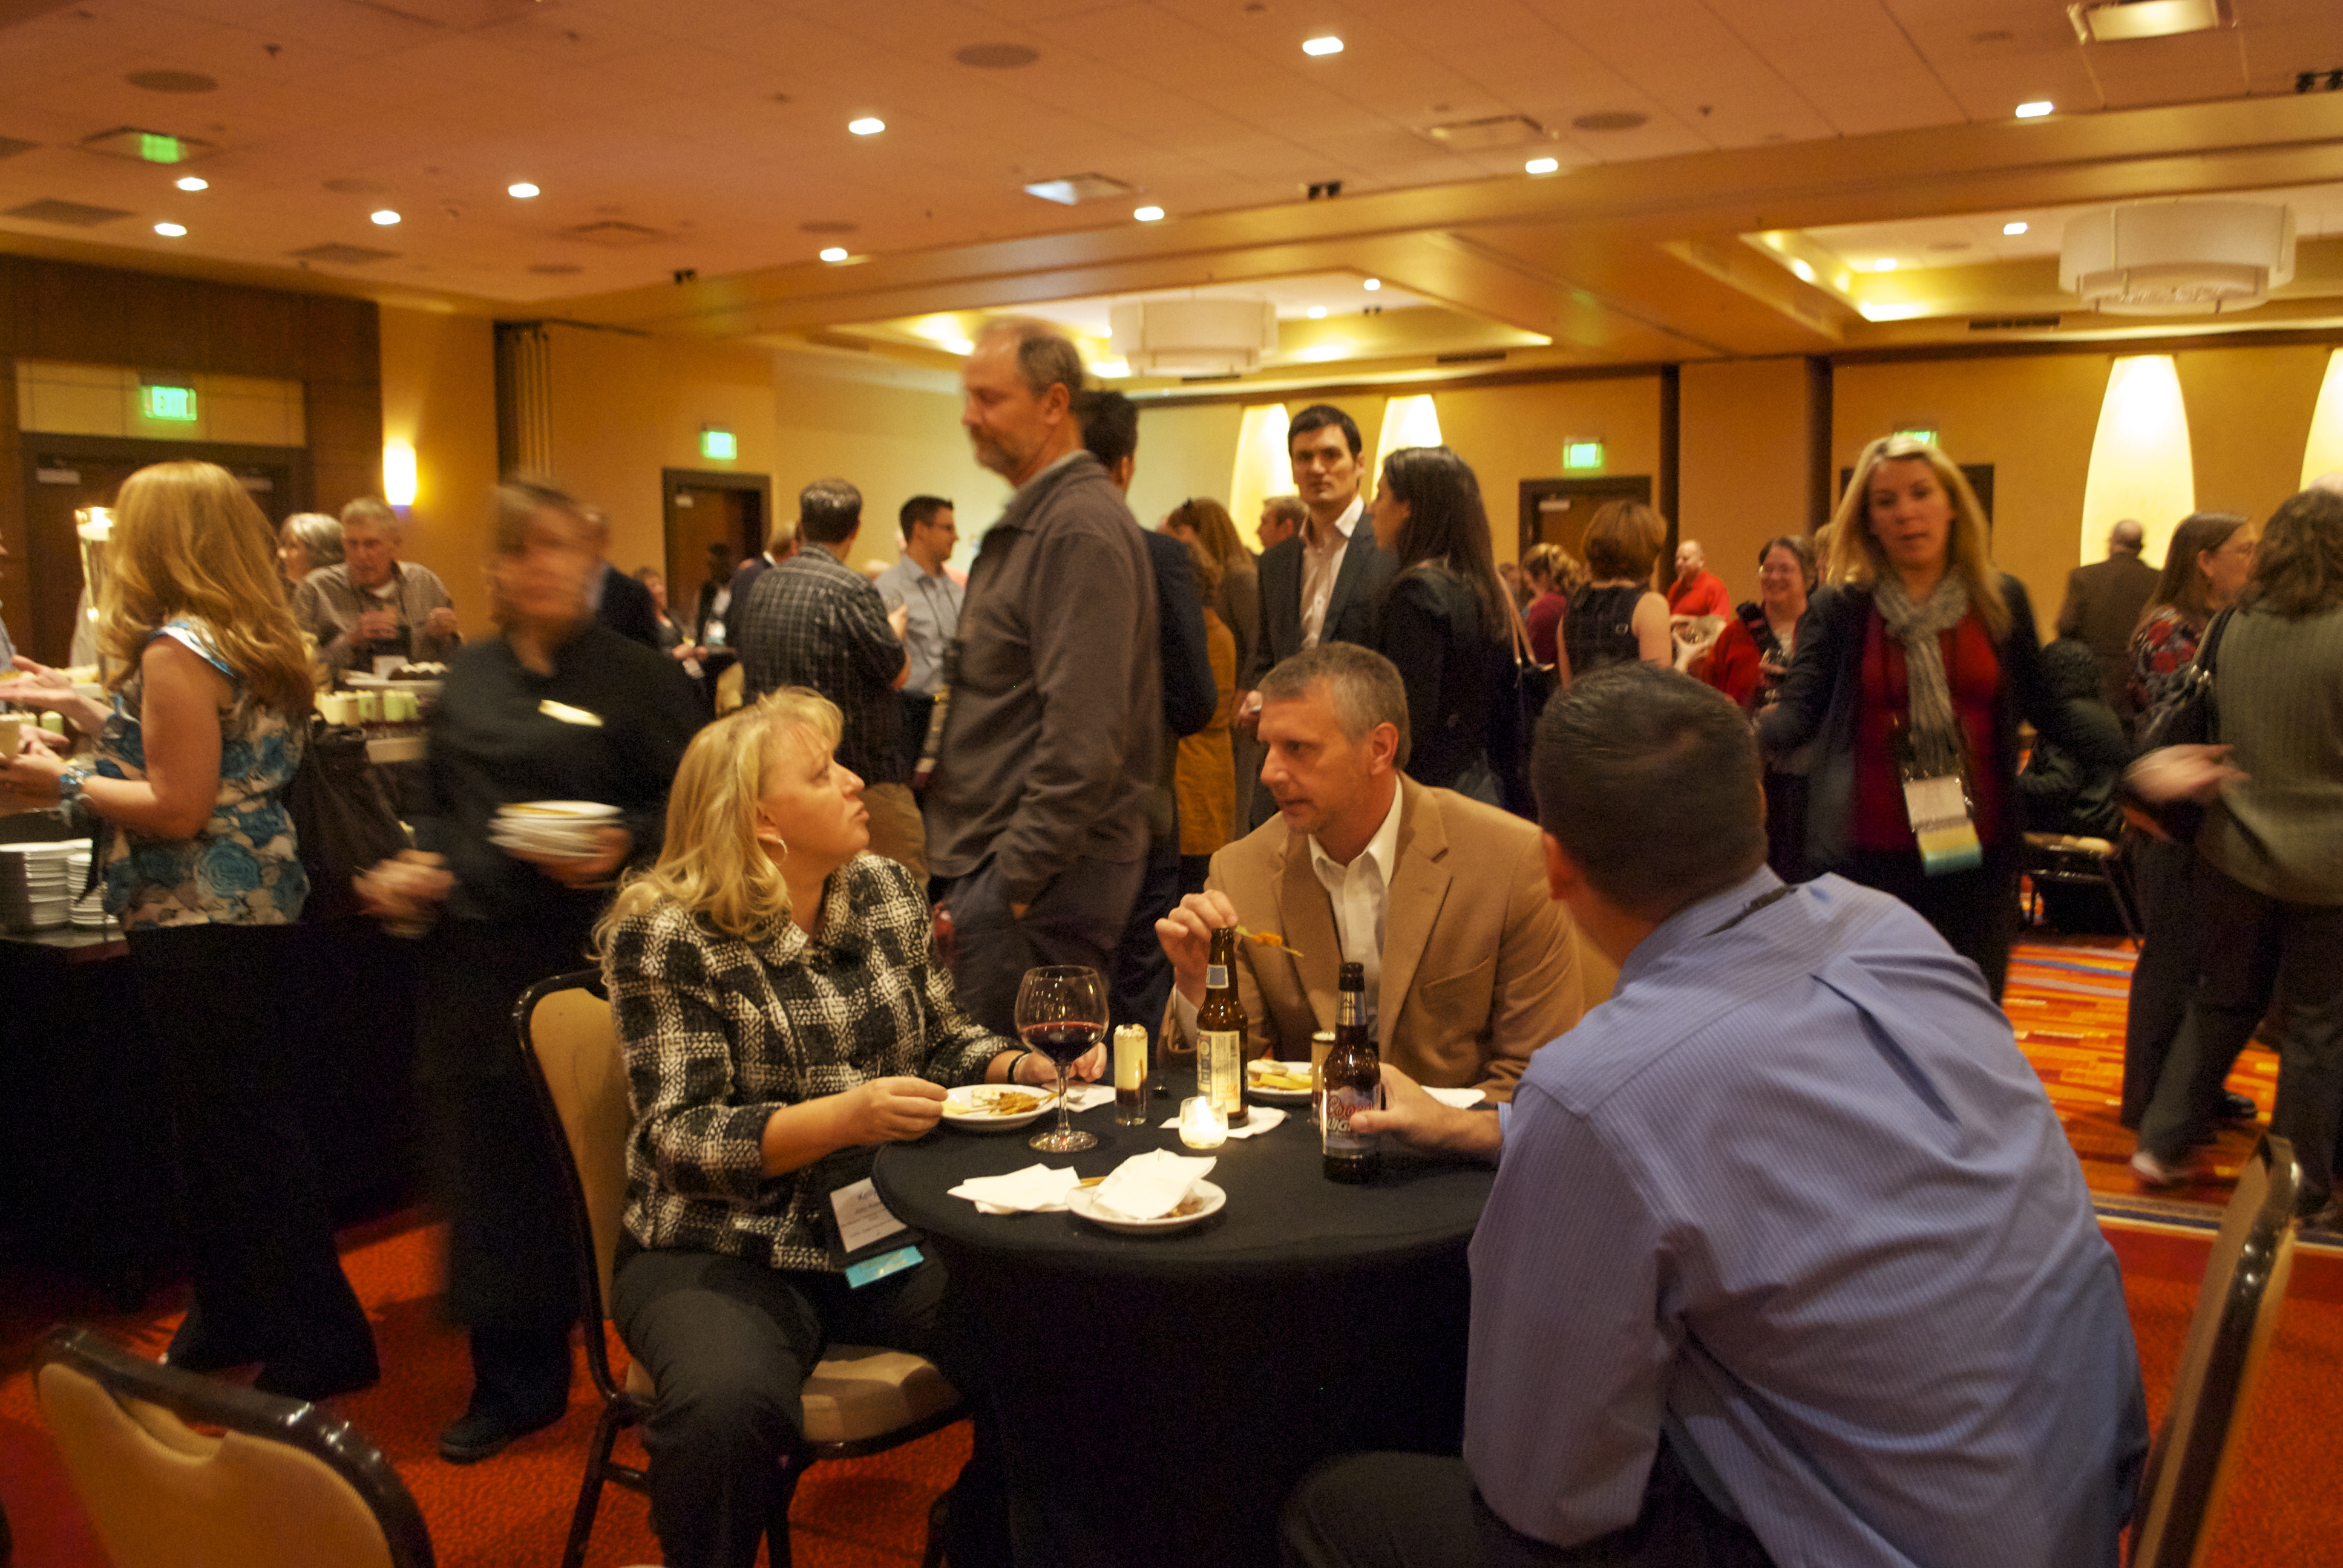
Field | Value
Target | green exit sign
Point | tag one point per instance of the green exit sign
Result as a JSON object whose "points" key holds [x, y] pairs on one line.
{"points": [[1927, 436], [1581, 455], [159, 149], [719, 446], [167, 403]]}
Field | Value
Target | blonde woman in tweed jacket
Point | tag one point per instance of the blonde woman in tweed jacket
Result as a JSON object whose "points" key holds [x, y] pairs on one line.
{"points": [[781, 1017]]}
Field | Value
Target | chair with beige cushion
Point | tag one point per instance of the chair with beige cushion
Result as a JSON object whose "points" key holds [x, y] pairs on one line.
{"points": [[284, 1485], [2229, 1335], [860, 1399]]}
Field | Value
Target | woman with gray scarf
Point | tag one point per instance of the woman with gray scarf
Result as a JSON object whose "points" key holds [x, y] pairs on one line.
{"points": [[1914, 667]]}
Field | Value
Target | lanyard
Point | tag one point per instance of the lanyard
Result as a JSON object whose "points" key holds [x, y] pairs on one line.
{"points": [[1751, 907]]}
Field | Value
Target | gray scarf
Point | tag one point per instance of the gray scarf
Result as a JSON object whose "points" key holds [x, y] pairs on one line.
{"points": [[1936, 741]]}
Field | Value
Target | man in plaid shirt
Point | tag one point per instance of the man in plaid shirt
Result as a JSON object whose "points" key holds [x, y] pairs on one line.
{"points": [[815, 621]]}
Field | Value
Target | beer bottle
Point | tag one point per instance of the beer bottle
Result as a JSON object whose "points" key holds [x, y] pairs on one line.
{"points": [[1354, 1080], [1220, 1031]]}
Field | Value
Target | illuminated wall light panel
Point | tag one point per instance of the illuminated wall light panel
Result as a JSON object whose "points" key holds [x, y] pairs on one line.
{"points": [[719, 446], [1409, 421], [2140, 462], [1263, 469], [399, 473], [177, 403], [1542, 166], [1581, 454], [2323, 453]]}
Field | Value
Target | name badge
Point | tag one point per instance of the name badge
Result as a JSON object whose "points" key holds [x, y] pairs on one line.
{"points": [[1939, 809], [568, 715], [872, 1269], [862, 1217]]}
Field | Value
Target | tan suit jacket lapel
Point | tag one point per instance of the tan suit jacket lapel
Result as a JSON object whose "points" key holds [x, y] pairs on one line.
{"points": [[1306, 916], [1418, 887]]}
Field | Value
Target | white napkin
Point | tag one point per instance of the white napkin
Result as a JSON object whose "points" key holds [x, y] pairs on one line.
{"points": [[1089, 1096], [1036, 1189], [1148, 1186], [1459, 1098], [1263, 1117]]}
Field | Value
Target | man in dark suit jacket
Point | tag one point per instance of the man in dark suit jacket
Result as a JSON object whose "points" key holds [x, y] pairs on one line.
{"points": [[620, 602], [1323, 584], [2103, 604]]}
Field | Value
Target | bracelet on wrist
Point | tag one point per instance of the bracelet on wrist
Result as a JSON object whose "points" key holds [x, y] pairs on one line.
{"points": [[70, 805]]}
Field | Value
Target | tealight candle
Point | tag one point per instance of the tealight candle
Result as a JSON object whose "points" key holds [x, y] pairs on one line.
{"points": [[1202, 1125]]}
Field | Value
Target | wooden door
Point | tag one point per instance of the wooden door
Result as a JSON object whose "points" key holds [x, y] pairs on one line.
{"points": [[705, 509], [1556, 511]]}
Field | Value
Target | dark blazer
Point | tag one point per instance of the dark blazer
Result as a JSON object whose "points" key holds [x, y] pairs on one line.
{"points": [[627, 608], [1822, 694], [1358, 587], [1430, 628], [1190, 694], [2104, 601]]}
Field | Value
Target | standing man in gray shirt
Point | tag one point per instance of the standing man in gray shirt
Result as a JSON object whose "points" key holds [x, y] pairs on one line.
{"points": [[374, 605], [1036, 813], [918, 586]]}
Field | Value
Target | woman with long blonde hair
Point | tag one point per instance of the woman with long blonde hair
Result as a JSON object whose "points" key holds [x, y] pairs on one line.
{"points": [[209, 715], [781, 1016], [1915, 664]]}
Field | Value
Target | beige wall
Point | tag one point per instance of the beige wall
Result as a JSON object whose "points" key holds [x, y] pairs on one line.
{"points": [[439, 392], [1513, 433], [1742, 465], [1185, 452], [2248, 419], [891, 438]]}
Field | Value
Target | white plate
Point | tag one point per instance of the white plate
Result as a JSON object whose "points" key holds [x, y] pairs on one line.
{"points": [[1079, 1201], [535, 811], [960, 1110], [1279, 1096]]}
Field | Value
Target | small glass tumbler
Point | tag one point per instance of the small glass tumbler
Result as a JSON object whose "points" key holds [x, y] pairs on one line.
{"points": [[1130, 1076], [1202, 1123]]}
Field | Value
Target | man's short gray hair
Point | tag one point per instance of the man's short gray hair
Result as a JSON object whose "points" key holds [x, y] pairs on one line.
{"points": [[1045, 355], [1365, 686], [1292, 508], [372, 512]]}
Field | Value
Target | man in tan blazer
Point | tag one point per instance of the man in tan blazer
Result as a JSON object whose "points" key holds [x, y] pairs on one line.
{"points": [[1470, 967]]}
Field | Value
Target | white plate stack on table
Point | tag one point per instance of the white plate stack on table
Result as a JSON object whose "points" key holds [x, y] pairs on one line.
{"points": [[563, 829], [88, 909], [36, 892]]}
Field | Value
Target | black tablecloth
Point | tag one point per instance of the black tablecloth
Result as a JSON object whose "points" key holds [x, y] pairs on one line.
{"points": [[1160, 1395]]}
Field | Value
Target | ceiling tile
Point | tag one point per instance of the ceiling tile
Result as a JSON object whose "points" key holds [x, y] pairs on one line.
{"points": [[1863, 102]]}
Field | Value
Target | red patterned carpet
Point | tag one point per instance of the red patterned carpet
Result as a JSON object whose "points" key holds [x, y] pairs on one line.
{"points": [[2065, 998]]}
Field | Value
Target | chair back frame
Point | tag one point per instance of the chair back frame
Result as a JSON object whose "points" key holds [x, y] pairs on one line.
{"points": [[2228, 1333], [271, 1418]]}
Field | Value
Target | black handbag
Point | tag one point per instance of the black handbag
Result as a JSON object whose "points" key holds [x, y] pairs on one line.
{"points": [[2190, 715], [343, 823], [1524, 694]]}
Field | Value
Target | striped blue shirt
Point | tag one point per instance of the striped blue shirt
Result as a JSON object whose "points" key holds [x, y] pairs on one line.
{"points": [[1794, 1196]]}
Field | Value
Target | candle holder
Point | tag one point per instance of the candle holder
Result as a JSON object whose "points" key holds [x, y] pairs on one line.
{"points": [[1202, 1125]]}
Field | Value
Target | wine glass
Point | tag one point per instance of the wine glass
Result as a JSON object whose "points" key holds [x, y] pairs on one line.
{"points": [[1061, 1013]]}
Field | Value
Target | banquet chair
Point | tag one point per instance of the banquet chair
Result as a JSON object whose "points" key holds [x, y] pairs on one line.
{"points": [[2061, 859], [286, 1484], [2236, 1314], [860, 1400]]}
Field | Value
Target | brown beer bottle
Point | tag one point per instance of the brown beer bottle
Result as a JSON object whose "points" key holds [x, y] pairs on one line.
{"points": [[1220, 1031], [1354, 1080]]}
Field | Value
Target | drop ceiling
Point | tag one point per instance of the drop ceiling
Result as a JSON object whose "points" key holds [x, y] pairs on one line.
{"points": [[710, 137]]}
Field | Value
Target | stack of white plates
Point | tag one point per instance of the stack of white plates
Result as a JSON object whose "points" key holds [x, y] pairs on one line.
{"points": [[556, 828], [35, 893]]}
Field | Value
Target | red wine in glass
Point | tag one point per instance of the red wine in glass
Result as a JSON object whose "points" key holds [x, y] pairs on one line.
{"points": [[1061, 1013]]}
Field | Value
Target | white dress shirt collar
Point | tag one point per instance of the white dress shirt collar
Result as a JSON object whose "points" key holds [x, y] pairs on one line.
{"points": [[1345, 525], [1361, 895]]}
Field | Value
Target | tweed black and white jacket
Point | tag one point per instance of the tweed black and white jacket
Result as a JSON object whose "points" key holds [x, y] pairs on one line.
{"points": [[720, 1033]]}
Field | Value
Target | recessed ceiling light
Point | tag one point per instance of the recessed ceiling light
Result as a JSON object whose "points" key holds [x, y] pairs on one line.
{"points": [[1317, 313], [1373, 284], [1884, 263], [868, 125], [385, 218], [834, 253], [193, 183], [523, 190], [1327, 45], [1542, 166], [170, 230], [1149, 215], [2013, 228], [1799, 266], [2035, 110]]}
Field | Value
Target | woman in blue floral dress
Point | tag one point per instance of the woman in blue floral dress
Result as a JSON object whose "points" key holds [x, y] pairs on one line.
{"points": [[210, 693]]}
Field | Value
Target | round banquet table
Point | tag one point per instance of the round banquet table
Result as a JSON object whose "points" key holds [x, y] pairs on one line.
{"points": [[1160, 1395]]}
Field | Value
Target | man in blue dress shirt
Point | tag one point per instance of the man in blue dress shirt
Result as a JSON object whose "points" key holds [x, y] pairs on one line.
{"points": [[1787, 1260]]}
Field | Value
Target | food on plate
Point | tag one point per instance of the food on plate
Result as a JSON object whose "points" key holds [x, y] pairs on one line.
{"points": [[989, 1101], [418, 672], [1268, 939], [1289, 1075]]}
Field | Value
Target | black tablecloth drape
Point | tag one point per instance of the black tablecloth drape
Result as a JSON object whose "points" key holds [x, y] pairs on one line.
{"points": [[1161, 1395]]}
